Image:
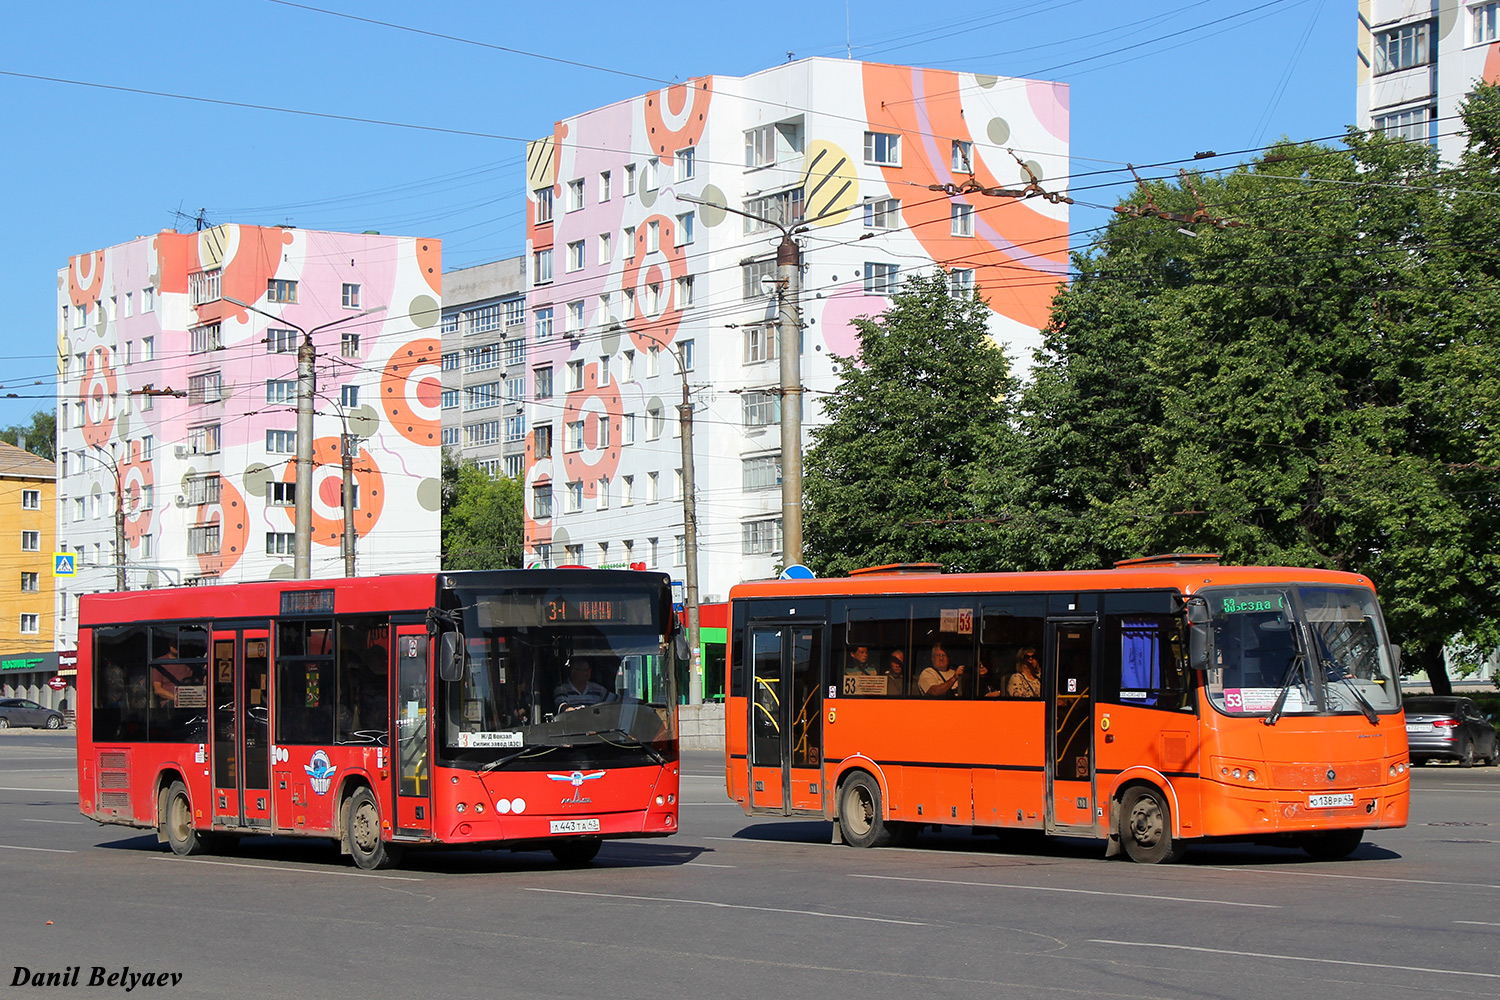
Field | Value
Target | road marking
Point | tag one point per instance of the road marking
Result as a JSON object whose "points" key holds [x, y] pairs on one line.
{"points": [[73, 789], [729, 906], [705, 864], [44, 850], [1297, 958], [294, 871], [41, 770], [1361, 878], [67, 822], [1476, 923], [1081, 892]]}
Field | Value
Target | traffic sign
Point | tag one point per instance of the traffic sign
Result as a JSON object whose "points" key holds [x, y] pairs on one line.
{"points": [[797, 571], [62, 564]]}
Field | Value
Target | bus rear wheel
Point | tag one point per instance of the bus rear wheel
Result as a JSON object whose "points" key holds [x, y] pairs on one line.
{"points": [[1330, 845], [175, 821], [579, 851], [860, 813], [1146, 828], [362, 833]]}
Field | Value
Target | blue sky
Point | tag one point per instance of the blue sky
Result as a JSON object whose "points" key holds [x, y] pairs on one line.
{"points": [[87, 167]]}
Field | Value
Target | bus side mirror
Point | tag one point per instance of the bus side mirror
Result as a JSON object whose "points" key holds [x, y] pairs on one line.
{"points": [[1200, 634], [450, 657], [1396, 658], [680, 645]]}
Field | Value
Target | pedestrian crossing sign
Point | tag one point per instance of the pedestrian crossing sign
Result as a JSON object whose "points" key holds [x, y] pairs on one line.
{"points": [[62, 564]]}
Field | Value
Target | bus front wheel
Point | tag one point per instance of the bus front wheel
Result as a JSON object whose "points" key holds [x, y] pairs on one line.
{"points": [[1146, 828], [362, 833], [860, 813], [175, 819]]}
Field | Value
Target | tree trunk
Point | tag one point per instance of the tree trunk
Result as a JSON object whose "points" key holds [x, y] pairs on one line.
{"points": [[1416, 657]]}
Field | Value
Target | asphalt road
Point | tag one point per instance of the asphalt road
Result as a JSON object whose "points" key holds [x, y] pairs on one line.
{"points": [[756, 909]]}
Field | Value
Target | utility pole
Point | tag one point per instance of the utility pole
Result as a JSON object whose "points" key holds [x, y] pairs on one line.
{"points": [[306, 387], [113, 467], [347, 443], [789, 343]]}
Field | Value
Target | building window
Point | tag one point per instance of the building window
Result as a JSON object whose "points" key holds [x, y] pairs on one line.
{"points": [[653, 236], [543, 323], [685, 350], [1412, 125], [203, 286], [280, 543], [482, 397], [575, 195], [601, 493], [450, 399], [1403, 47], [515, 427], [281, 442], [685, 163], [515, 466], [655, 421], [349, 396], [762, 472], [575, 497], [542, 380], [765, 144], [961, 217], [203, 540], [627, 428], [349, 345], [281, 391], [485, 319], [541, 441], [684, 229], [883, 149], [963, 157], [1485, 19], [202, 490], [278, 290], [880, 279], [573, 439], [753, 275], [961, 282], [685, 286], [760, 344], [575, 375], [627, 248], [679, 551], [760, 409], [761, 537], [515, 312], [281, 341], [280, 494], [31, 499], [653, 169], [31, 624], [542, 272], [654, 305], [601, 431], [351, 296], [543, 204], [785, 207], [31, 583], [148, 348], [148, 299], [31, 541], [202, 339], [575, 317], [541, 501], [481, 434], [80, 508], [575, 255], [205, 388], [603, 369], [653, 360], [515, 352], [627, 491], [604, 185], [450, 437], [573, 554], [627, 303], [630, 178], [604, 248]]}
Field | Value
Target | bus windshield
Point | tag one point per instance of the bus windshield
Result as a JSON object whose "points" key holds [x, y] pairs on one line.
{"points": [[562, 667], [1323, 647]]}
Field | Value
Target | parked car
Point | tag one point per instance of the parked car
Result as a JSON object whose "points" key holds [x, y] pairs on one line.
{"points": [[22, 712], [1450, 727]]}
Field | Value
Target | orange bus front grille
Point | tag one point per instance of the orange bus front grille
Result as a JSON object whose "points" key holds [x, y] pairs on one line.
{"points": [[1313, 776]]}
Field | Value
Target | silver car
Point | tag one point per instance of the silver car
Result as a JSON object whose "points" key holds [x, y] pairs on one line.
{"points": [[24, 712], [1449, 727]]}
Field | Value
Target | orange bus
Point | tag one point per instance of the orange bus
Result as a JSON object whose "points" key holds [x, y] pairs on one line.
{"points": [[525, 709], [1165, 701]]}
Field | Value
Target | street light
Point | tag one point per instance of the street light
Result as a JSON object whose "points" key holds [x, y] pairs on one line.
{"points": [[306, 386], [689, 526], [112, 466], [789, 344]]}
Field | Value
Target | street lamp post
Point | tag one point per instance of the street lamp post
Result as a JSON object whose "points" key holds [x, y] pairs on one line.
{"points": [[689, 528], [306, 387], [113, 468], [789, 344]]}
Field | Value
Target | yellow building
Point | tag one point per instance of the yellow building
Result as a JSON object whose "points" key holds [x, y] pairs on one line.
{"points": [[28, 534]]}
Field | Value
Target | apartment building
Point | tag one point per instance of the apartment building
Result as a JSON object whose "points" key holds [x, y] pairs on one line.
{"points": [[1416, 62], [177, 396], [28, 512], [651, 262], [484, 366]]}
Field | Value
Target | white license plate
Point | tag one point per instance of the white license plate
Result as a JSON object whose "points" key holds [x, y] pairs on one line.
{"points": [[590, 825], [1417, 727], [1330, 801]]}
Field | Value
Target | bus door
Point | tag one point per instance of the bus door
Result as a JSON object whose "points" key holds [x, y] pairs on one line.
{"points": [[786, 717], [411, 680], [239, 729], [1070, 729]]}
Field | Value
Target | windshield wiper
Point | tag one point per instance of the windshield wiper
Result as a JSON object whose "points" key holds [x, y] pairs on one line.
{"points": [[1292, 669], [510, 757], [634, 741], [1365, 707]]}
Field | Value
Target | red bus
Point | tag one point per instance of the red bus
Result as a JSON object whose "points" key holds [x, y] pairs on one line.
{"points": [[1165, 701], [525, 709]]}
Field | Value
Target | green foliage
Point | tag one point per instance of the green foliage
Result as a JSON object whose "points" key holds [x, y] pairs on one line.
{"points": [[40, 434], [482, 518], [891, 477]]}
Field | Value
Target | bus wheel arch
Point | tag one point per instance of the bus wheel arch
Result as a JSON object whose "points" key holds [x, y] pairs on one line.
{"points": [[861, 811], [1145, 823]]}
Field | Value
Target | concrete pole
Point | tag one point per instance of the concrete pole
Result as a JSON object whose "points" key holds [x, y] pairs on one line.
{"points": [[789, 344], [306, 386], [347, 444], [690, 544], [119, 530]]}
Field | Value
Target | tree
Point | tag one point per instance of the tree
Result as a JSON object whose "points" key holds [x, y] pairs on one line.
{"points": [[915, 418], [483, 526], [1311, 385], [40, 435]]}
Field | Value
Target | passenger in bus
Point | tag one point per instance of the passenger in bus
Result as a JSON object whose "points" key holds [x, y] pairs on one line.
{"points": [[1026, 682], [579, 690], [939, 679], [895, 674], [859, 662]]}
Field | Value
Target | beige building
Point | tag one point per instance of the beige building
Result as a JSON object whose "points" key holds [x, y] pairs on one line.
{"points": [[28, 525]]}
